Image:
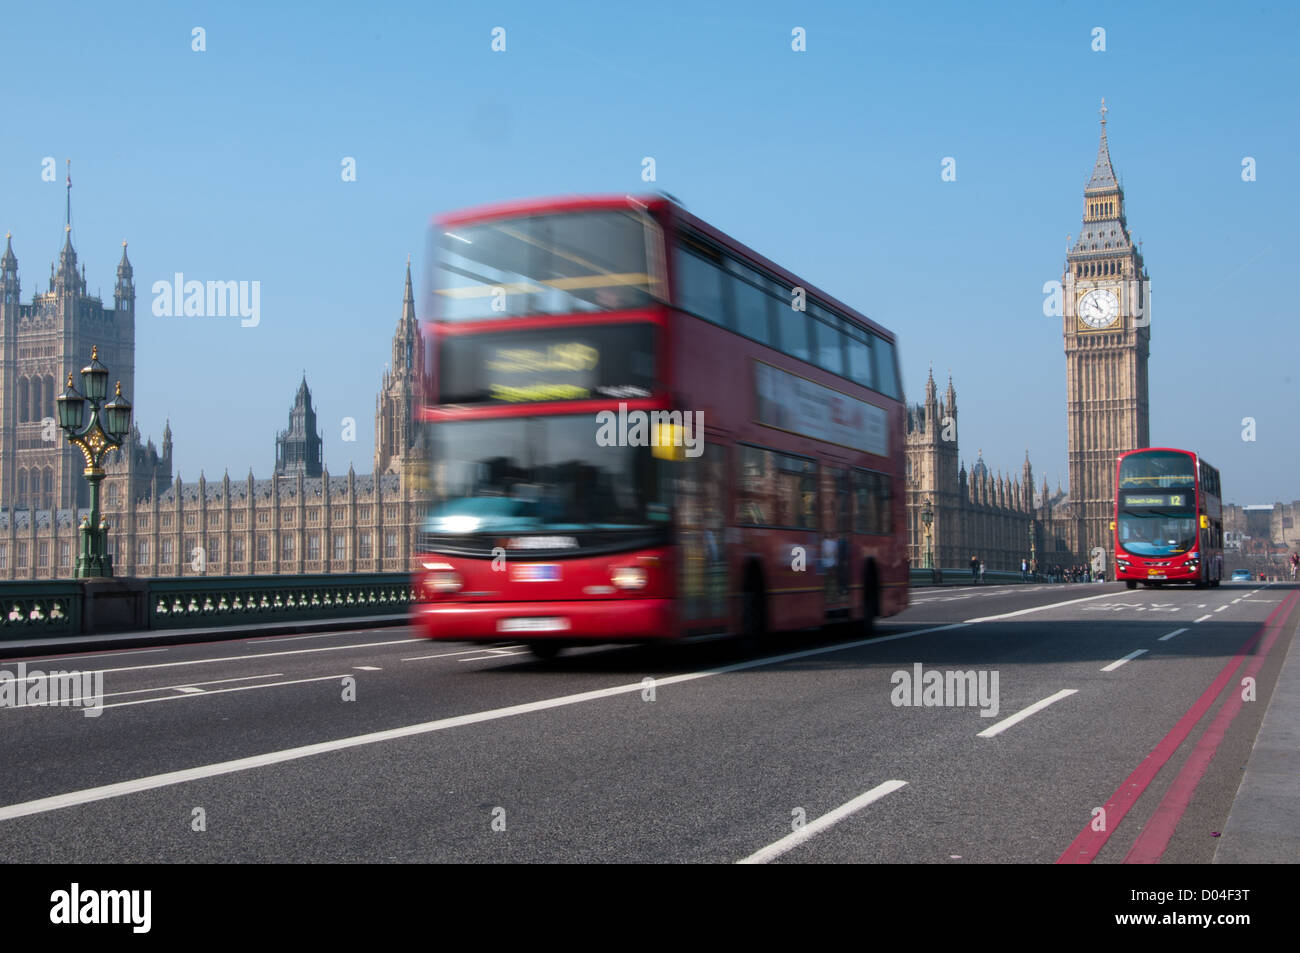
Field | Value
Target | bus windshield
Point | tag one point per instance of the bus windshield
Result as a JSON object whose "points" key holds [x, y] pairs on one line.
{"points": [[1154, 532], [564, 263], [539, 475], [1156, 469]]}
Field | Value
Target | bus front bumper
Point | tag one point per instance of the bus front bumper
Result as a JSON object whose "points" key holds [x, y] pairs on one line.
{"points": [[596, 620], [1157, 574]]}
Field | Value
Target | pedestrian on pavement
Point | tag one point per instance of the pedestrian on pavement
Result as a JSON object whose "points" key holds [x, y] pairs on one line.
{"points": [[1024, 570], [974, 569]]}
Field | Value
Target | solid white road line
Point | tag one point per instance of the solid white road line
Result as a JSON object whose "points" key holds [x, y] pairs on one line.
{"points": [[241, 658], [1020, 716], [1054, 605], [421, 658], [1127, 658], [35, 659], [1166, 638], [272, 639], [482, 658], [1204, 617], [149, 783], [1220, 609], [183, 687], [190, 692], [812, 829]]}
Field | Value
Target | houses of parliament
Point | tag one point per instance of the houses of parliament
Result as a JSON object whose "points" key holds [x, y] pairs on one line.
{"points": [[1106, 334], [300, 519]]}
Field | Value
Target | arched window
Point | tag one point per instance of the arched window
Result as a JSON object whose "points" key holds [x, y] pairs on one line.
{"points": [[47, 483], [114, 495], [22, 487], [22, 399], [49, 397]]}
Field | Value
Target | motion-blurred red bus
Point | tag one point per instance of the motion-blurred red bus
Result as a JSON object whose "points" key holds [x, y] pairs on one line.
{"points": [[1168, 519], [640, 429]]}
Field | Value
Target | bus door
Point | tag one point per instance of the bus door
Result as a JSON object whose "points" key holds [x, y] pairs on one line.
{"points": [[700, 485], [834, 556]]}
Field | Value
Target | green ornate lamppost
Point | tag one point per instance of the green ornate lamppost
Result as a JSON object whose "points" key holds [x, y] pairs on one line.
{"points": [[927, 518], [108, 425]]}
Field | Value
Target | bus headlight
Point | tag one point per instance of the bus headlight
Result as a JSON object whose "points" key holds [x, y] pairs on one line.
{"points": [[628, 577], [443, 581]]}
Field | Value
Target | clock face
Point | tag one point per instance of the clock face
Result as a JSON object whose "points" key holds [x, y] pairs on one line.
{"points": [[1099, 308]]}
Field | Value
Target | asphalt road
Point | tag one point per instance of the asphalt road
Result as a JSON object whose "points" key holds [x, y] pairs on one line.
{"points": [[438, 752]]}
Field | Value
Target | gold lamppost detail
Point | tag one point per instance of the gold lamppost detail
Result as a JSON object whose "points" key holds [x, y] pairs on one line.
{"points": [[104, 432]]}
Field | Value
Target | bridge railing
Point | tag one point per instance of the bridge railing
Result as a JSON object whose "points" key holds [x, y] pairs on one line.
{"points": [[35, 609], [237, 600], [67, 607], [961, 574]]}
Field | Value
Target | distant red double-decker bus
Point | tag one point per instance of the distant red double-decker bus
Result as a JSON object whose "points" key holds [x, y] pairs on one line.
{"points": [[639, 429], [1168, 519]]}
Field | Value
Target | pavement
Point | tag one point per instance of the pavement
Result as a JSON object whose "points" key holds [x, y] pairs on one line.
{"points": [[1264, 824]]}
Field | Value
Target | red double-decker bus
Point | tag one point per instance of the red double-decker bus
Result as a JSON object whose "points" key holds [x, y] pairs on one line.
{"points": [[1168, 519], [640, 429]]}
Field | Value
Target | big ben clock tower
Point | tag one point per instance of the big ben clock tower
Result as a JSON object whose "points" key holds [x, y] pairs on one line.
{"points": [[1107, 335]]}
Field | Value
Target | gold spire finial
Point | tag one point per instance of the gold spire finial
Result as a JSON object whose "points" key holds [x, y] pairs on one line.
{"points": [[94, 352], [119, 394], [69, 379], [1104, 109]]}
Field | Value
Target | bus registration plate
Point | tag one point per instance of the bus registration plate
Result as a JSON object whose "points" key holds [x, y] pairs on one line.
{"points": [[1155, 574], [534, 624], [536, 572]]}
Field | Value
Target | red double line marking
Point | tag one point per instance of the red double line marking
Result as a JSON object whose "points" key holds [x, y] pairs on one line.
{"points": [[1153, 840]]}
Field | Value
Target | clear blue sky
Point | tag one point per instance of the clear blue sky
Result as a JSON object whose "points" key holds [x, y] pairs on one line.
{"points": [[225, 165]]}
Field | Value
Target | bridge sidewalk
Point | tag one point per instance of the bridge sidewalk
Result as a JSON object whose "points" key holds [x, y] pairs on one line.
{"points": [[17, 648], [1263, 826]]}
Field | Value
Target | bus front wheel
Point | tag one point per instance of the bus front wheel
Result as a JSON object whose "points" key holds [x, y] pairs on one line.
{"points": [[753, 612], [546, 650], [870, 598], [1130, 584]]}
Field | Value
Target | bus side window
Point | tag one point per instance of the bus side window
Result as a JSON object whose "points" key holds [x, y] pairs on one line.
{"points": [[793, 330], [750, 303], [700, 286]]}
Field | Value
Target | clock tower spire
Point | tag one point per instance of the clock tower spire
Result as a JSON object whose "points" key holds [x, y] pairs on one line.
{"points": [[1107, 341]]}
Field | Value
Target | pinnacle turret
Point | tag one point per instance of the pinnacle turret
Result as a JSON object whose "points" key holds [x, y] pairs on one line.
{"points": [[1103, 173]]}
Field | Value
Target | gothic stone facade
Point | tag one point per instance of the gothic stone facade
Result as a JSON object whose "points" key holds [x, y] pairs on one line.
{"points": [[286, 524], [975, 513], [41, 343]]}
